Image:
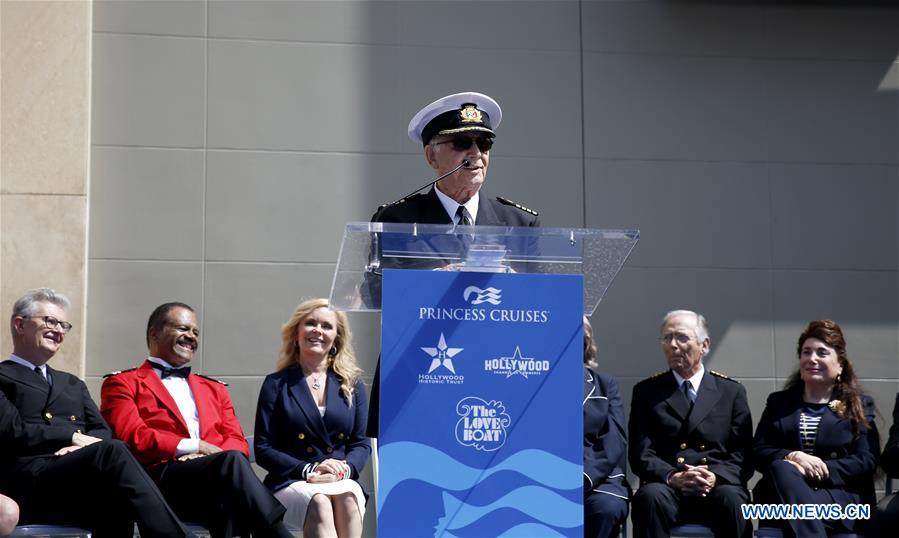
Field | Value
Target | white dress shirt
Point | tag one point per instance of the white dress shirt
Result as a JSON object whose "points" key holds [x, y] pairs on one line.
{"points": [[695, 380], [452, 206], [184, 399], [24, 362]]}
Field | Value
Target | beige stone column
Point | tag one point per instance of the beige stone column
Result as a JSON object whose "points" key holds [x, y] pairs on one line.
{"points": [[45, 78]]}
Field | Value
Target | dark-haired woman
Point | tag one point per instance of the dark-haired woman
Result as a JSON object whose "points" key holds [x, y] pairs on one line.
{"points": [[605, 449], [816, 442]]}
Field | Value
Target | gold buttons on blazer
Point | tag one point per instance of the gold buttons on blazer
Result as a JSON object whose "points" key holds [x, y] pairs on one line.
{"points": [[340, 435], [330, 449], [48, 416], [301, 436], [833, 454], [701, 447], [680, 461], [73, 418], [309, 449], [683, 446], [703, 460]]}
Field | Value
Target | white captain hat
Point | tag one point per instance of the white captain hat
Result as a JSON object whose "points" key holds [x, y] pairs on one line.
{"points": [[456, 113]]}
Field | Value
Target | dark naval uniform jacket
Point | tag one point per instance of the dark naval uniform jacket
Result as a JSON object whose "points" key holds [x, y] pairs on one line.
{"points": [[605, 438], [100, 487], [48, 415], [665, 433], [886, 518], [43, 420], [426, 208], [890, 458]]}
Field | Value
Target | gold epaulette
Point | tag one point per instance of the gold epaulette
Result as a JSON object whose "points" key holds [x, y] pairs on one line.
{"points": [[117, 372], [722, 376], [657, 374], [212, 379], [389, 204], [506, 201]]}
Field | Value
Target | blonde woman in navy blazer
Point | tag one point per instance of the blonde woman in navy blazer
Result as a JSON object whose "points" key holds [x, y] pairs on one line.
{"points": [[605, 449], [837, 465], [310, 425]]}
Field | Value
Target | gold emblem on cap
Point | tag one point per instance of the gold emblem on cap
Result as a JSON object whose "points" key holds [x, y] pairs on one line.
{"points": [[470, 114]]}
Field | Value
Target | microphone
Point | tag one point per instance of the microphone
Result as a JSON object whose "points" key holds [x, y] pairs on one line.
{"points": [[464, 164], [374, 265]]}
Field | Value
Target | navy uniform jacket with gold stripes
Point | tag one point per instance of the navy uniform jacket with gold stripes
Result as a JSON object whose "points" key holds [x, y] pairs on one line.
{"points": [[426, 208], [665, 433], [39, 419], [49, 414]]}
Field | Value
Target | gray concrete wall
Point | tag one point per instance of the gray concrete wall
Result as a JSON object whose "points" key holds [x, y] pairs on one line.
{"points": [[754, 145]]}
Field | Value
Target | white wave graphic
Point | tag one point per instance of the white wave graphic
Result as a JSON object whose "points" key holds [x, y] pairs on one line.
{"points": [[415, 461], [487, 295], [525, 530], [546, 506]]}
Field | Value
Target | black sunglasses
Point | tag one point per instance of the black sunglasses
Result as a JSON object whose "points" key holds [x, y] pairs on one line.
{"points": [[463, 143]]}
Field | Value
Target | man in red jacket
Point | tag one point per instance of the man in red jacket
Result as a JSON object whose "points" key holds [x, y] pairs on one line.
{"points": [[182, 427]]}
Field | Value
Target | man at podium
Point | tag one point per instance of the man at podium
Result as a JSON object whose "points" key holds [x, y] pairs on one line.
{"points": [[457, 133]]}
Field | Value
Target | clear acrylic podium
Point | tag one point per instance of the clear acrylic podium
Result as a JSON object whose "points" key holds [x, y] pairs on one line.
{"points": [[368, 248]]}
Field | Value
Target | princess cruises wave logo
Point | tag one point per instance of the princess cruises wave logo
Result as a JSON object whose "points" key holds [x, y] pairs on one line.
{"points": [[486, 295]]}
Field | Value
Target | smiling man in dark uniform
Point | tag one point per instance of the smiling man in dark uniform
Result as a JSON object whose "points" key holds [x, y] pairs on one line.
{"points": [[57, 456], [690, 434], [457, 134]]}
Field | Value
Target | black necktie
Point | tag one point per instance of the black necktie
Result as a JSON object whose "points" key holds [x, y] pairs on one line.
{"points": [[38, 371], [464, 216], [174, 372]]}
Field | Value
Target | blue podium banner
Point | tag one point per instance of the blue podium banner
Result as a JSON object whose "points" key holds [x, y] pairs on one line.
{"points": [[481, 405]]}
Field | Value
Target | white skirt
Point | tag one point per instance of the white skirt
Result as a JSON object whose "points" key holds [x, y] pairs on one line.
{"points": [[297, 495]]}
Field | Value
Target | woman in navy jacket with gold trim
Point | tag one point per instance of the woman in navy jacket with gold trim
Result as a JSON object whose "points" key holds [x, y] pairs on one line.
{"points": [[605, 449], [816, 442], [310, 424]]}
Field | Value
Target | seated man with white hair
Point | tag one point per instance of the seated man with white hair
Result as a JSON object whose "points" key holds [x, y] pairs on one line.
{"points": [[690, 434]]}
